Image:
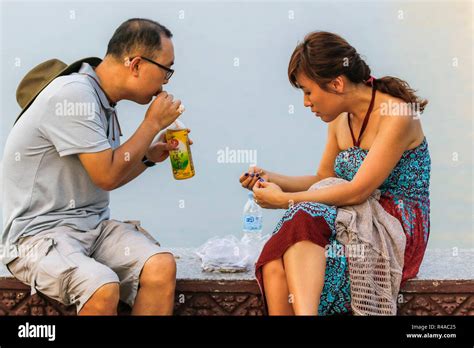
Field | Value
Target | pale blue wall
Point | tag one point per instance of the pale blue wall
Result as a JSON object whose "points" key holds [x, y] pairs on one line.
{"points": [[246, 107]]}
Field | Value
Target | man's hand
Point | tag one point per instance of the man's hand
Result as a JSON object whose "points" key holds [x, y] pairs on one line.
{"points": [[159, 150], [162, 111]]}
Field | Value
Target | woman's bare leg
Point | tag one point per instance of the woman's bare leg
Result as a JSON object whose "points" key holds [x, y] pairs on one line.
{"points": [[276, 288], [305, 266]]}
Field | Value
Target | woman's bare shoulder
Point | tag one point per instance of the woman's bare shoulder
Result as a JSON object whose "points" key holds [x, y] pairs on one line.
{"points": [[398, 115]]}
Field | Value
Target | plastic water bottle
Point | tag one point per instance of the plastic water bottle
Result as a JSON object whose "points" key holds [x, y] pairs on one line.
{"points": [[252, 217]]}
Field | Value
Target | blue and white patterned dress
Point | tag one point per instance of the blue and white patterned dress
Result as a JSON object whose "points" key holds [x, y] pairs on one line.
{"points": [[404, 194]]}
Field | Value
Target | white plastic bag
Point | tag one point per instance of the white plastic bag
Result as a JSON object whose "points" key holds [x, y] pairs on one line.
{"points": [[229, 254]]}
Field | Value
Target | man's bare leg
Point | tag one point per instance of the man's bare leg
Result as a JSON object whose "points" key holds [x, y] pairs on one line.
{"points": [[103, 302], [157, 285]]}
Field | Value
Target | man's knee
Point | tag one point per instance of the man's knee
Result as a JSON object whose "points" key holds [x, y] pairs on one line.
{"points": [[104, 301], [159, 271]]}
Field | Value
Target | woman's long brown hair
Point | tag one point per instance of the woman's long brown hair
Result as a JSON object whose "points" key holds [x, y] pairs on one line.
{"points": [[323, 56]]}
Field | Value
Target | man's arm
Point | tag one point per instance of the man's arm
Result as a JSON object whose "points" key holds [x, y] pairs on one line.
{"points": [[136, 171], [110, 169], [157, 153]]}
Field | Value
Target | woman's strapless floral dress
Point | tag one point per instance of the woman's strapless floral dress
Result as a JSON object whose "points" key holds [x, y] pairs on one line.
{"points": [[404, 194]]}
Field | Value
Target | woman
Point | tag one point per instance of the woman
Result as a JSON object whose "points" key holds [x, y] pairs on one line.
{"points": [[390, 153]]}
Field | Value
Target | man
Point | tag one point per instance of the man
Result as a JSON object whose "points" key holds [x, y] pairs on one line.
{"points": [[59, 164]]}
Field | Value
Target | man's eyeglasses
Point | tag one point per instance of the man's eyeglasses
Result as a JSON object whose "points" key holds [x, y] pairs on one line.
{"points": [[169, 72]]}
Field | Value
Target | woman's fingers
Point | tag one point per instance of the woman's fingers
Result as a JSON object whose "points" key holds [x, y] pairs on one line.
{"points": [[249, 178], [252, 183], [243, 177], [249, 181], [246, 183]]}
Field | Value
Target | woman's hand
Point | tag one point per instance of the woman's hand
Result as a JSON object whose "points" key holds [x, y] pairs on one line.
{"points": [[249, 178], [269, 195], [159, 151]]}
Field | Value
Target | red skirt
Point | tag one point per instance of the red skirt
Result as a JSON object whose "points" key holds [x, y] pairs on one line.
{"points": [[312, 222]]}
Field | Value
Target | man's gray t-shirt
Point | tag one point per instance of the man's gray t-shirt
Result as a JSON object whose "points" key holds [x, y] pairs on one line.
{"points": [[44, 182]]}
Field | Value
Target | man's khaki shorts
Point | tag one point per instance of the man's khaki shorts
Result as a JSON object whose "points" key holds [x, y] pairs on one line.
{"points": [[69, 265]]}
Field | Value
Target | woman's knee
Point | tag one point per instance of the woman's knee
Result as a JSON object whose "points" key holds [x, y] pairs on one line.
{"points": [[274, 269]]}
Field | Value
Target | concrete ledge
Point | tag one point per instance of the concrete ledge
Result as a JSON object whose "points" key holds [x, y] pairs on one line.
{"points": [[434, 292]]}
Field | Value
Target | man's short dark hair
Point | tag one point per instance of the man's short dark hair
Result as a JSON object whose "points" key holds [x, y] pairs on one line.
{"points": [[137, 36]]}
